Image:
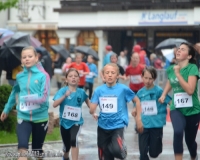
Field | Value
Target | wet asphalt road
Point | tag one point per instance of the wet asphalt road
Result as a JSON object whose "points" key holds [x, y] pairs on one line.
{"points": [[88, 141]]}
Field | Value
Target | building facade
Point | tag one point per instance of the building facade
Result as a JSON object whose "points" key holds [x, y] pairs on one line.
{"points": [[97, 23]]}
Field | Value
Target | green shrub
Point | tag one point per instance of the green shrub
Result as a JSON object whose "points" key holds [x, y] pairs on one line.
{"points": [[9, 124]]}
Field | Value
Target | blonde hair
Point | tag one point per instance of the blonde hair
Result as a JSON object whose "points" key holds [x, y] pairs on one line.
{"points": [[112, 65], [78, 54], [30, 48]]}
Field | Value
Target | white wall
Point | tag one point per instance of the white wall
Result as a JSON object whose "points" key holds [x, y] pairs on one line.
{"points": [[4, 17], [182, 17], [35, 10]]}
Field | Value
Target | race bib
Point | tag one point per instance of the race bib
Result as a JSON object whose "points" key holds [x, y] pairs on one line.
{"points": [[149, 107], [182, 100], [108, 104], [58, 71], [72, 113], [28, 106], [81, 73], [136, 79], [90, 75]]}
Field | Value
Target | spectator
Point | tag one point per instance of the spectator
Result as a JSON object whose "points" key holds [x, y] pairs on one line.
{"points": [[108, 51], [122, 60], [46, 61]]}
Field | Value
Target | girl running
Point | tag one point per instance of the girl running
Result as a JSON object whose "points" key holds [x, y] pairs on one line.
{"points": [[153, 115], [32, 86], [70, 99], [185, 106]]}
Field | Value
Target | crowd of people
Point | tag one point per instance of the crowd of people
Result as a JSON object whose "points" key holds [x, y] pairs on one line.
{"points": [[149, 102]]}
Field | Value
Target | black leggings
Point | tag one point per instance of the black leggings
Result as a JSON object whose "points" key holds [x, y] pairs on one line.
{"points": [[189, 124], [150, 140], [70, 137], [111, 144], [38, 131], [89, 86]]}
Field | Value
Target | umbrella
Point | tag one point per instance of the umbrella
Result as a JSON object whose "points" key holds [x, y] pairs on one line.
{"points": [[10, 52], [5, 32], [170, 43], [42, 51], [168, 54], [87, 50], [34, 42], [61, 50]]}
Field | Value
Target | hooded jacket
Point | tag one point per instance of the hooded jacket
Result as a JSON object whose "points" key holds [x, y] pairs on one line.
{"points": [[31, 81]]}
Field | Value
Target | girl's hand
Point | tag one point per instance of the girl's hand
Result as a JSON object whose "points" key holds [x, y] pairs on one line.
{"points": [[95, 116], [161, 99], [68, 92], [139, 126], [3, 116], [177, 69], [134, 113]]}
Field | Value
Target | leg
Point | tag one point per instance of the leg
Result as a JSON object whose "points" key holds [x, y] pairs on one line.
{"points": [[74, 133], [23, 134], [144, 144], [65, 134], [39, 131], [192, 124], [90, 90], [155, 143], [103, 139], [178, 123], [117, 147]]}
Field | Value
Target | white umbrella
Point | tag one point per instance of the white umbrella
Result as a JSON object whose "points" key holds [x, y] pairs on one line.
{"points": [[168, 54]]}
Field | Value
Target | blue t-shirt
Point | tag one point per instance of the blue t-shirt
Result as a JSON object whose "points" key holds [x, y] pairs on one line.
{"points": [[75, 99], [93, 72], [158, 120], [123, 95]]}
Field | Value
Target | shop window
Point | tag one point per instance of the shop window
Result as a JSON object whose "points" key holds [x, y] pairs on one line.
{"points": [[47, 38], [88, 38], [140, 38]]}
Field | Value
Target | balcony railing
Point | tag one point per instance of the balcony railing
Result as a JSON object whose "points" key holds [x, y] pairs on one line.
{"points": [[120, 5]]}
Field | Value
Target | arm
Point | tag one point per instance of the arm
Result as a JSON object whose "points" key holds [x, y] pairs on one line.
{"points": [[93, 108], [87, 101], [12, 99], [166, 90], [189, 86], [57, 102], [11, 102], [138, 115], [86, 70]]}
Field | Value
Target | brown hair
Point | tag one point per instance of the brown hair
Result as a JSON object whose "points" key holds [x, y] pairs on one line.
{"points": [[30, 48], [151, 70], [70, 70]]}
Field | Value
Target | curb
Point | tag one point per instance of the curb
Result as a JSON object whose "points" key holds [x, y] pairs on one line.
{"points": [[15, 144]]}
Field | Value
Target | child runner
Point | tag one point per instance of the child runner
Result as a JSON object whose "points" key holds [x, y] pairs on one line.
{"points": [[133, 73], [112, 99], [90, 77], [81, 67], [185, 107], [70, 99], [66, 65], [153, 115], [32, 86]]}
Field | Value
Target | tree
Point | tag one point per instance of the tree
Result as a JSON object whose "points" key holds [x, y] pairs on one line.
{"points": [[7, 4]]}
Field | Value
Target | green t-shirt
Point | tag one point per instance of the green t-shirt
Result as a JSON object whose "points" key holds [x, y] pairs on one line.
{"points": [[189, 70]]}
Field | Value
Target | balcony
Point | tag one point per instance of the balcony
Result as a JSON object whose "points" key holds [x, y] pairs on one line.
{"points": [[123, 5]]}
